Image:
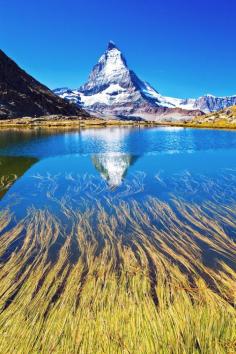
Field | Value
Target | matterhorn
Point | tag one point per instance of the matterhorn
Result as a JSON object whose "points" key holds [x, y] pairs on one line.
{"points": [[115, 91]]}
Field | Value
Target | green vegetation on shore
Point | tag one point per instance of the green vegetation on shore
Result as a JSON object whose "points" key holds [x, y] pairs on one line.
{"points": [[225, 119], [66, 122]]}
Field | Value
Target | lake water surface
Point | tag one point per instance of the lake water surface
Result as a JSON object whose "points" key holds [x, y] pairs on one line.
{"points": [[119, 163]]}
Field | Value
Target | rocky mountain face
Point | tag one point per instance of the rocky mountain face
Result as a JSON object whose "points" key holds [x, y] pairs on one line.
{"points": [[21, 95], [114, 90]]}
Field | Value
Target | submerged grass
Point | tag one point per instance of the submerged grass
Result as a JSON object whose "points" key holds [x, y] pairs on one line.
{"points": [[134, 278]]}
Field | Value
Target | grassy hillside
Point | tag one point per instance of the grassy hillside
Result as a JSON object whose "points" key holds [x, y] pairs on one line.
{"points": [[224, 118]]}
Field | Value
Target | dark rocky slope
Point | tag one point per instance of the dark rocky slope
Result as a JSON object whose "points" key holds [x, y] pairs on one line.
{"points": [[22, 95]]}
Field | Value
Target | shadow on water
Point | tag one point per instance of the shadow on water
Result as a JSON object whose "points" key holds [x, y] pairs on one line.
{"points": [[12, 168]]}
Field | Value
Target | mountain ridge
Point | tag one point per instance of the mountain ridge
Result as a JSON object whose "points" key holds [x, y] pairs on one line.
{"points": [[22, 95]]}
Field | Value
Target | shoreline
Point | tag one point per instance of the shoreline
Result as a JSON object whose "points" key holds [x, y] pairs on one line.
{"points": [[73, 122]]}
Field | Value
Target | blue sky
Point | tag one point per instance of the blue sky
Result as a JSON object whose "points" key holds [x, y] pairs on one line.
{"points": [[184, 48]]}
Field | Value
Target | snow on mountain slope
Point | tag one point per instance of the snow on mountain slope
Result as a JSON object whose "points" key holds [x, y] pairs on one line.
{"points": [[110, 69], [113, 89]]}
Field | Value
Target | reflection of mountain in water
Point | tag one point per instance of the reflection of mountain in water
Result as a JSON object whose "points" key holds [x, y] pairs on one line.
{"points": [[11, 168], [109, 139], [113, 161], [113, 166]]}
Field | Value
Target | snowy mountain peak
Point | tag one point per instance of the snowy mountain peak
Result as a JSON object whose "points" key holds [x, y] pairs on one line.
{"points": [[113, 90], [110, 69], [111, 45]]}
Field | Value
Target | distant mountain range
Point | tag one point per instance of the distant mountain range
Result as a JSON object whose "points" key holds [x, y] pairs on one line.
{"points": [[21, 95], [113, 90]]}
